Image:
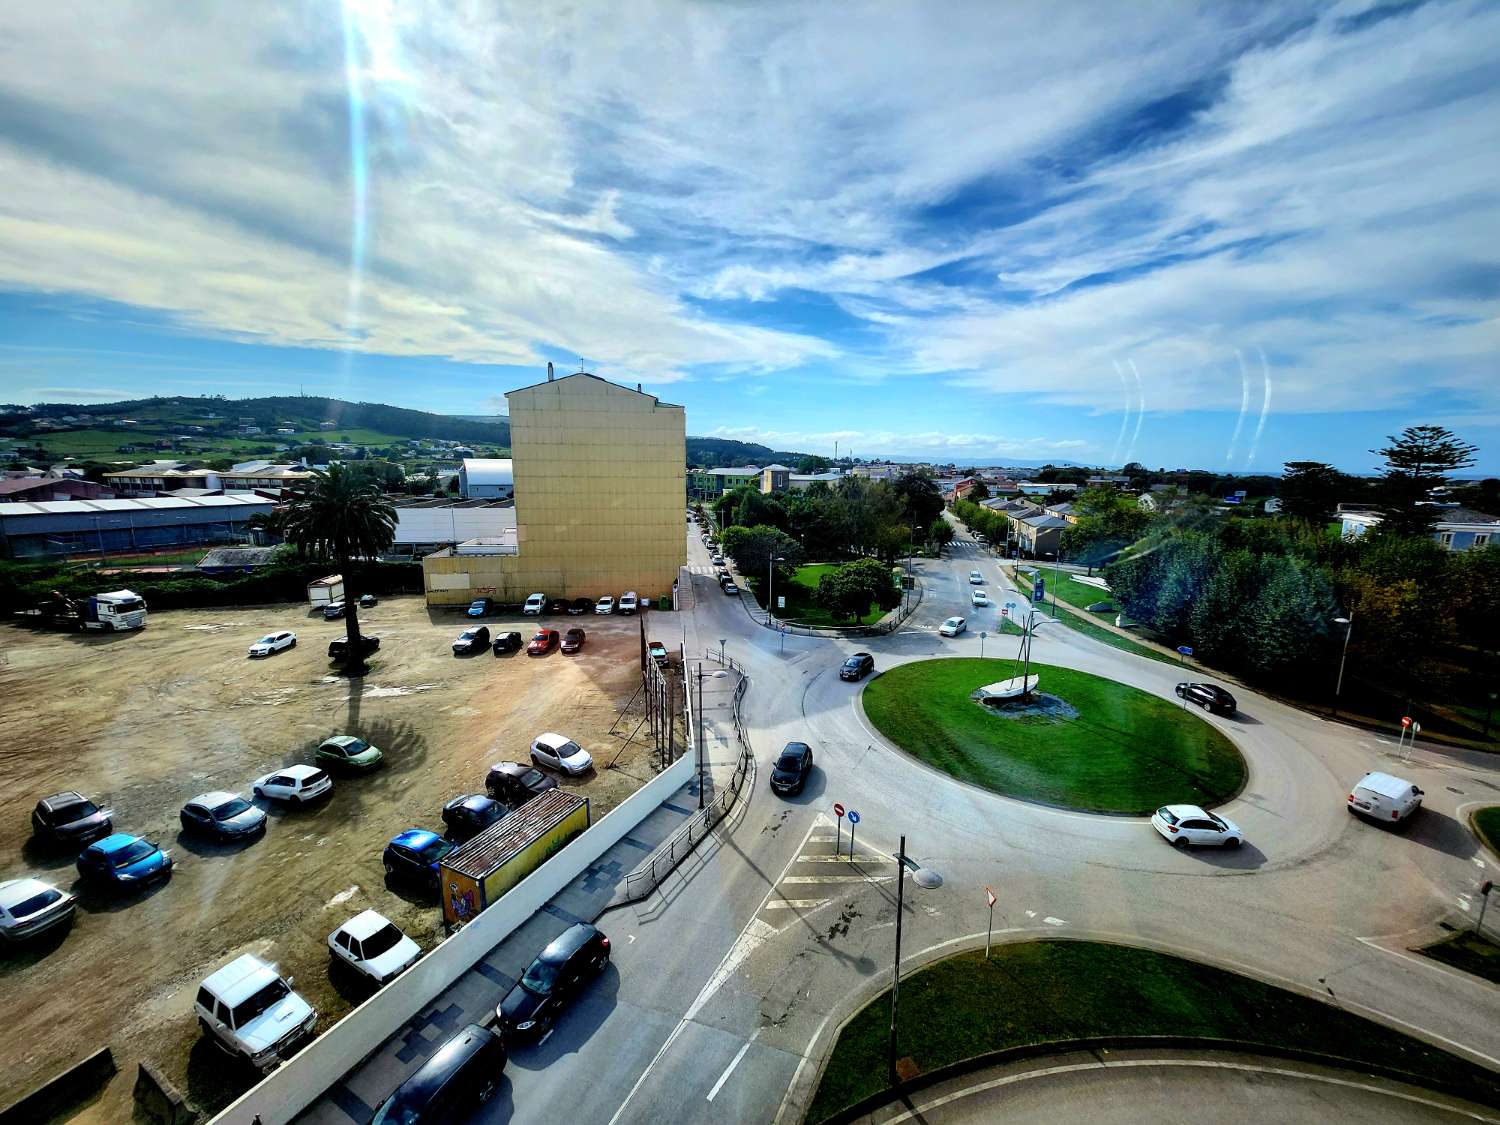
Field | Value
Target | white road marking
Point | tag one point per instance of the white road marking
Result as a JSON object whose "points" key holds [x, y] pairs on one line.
{"points": [[796, 903], [1031, 914], [734, 1062], [629, 938], [838, 878], [1051, 921]]}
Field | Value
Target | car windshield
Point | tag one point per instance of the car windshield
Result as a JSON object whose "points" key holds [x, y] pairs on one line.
{"points": [[266, 640], [381, 941], [77, 811], [568, 749], [532, 778], [231, 808], [540, 977], [38, 901], [132, 853], [436, 850], [788, 760], [400, 1111], [356, 746], [247, 1010]]}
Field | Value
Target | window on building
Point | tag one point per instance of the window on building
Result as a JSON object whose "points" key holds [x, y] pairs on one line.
{"points": [[1482, 539], [1445, 540]]}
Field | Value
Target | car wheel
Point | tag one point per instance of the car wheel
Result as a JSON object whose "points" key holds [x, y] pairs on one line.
{"points": [[390, 870], [292, 643], [1180, 842], [1233, 842], [259, 792]]}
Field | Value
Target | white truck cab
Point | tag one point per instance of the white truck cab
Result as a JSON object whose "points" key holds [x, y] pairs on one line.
{"points": [[1383, 797], [254, 1013], [115, 611]]}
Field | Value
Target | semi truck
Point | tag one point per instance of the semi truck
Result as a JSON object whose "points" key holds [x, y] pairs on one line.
{"points": [[115, 611], [475, 875]]}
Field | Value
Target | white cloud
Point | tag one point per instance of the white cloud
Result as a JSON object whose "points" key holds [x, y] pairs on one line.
{"points": [[875, 443]]}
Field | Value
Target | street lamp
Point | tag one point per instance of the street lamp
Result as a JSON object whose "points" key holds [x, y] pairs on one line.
{"points": [[771, 586], [720, 674], [1348, 623]]}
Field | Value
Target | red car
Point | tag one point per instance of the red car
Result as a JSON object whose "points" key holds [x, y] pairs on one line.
{"points": [[543, 643], [572, 640]]}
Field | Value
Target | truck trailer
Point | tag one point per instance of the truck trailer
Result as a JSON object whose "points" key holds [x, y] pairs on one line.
{"points": [[116, 611], [479, 872], [324, 591]]}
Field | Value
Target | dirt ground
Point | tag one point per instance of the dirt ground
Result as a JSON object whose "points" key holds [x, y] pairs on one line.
{"points": [[144, 721]]}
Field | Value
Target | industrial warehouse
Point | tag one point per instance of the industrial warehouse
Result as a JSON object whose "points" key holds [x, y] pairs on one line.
{"points": [[39, 529]]}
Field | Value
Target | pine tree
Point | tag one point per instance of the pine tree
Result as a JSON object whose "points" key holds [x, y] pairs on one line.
{"points": [[1416, 462]]}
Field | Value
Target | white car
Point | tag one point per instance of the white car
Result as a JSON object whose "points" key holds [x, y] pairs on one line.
{"points": [[975, 578], [606, 604], [952, 627], [295, 783], [979, 598], [534, 605], [1383, 797], [560, 753], [254, 1013], [1181, 825], [628, 602], [29, 907], [372, 945], [273, 642]]}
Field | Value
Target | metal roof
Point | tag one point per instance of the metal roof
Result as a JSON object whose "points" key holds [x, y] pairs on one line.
{"points": [[489, 470], [507, 837], [142, 504]]}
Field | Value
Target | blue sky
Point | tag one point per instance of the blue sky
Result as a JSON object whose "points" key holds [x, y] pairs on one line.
{"points": [[1223, 235]]}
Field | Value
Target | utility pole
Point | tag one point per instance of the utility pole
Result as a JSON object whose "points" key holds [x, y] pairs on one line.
{"points": [[1348, 624], [700, 734], [896, 968]]}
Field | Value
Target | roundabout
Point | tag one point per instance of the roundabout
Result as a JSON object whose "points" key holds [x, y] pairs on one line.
{"points": [[1078, 741]]}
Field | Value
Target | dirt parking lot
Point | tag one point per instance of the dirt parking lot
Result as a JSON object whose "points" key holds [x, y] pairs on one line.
{"points": [[144, 721]]}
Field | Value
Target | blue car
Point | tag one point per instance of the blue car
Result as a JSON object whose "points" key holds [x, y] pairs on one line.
{"points": [[479, 607], [415, 854], [122, 861]]}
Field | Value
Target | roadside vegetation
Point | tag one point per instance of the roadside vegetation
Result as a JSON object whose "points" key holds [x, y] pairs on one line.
{"points": [[809, 603], [1486, 823], [1126, 751], [1468, 952], [1038, 992]]}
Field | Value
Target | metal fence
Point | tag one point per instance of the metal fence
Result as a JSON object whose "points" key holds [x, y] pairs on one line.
{"points": [[647, 877]]}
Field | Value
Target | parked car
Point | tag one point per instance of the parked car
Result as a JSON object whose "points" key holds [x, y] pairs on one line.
{"points": [[334, 610], [723, 577], [717, 559], [415, 854], [473, 639], [560, 753], [979, 598], [294, 783], [1208, 696], [1181, 825], [952, 627], [730, 588], [535, 603], [541, 644], [557, 606], [658, 652], [273, 642], [470, 814], [573, 640], [508, 641], [790, 770], [580, 605], [373, 946], [606, 604], [975, 578], [122, 861], [1101, 607], [628, 602], [1384, 797], [516, 784], [478, 607], [70, 818], [461, 1076], [254, 1013], [30, 907], [338, 648], [226, 816], [346, 752], [857, 667], [577, 955], [368, 601]]}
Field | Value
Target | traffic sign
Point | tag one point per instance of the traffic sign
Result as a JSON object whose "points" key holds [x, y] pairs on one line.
{"points": [[1406, 720], [1186, 650], [990, 895], [838, 810], [853, 817], [1010, 605], [1005, 612]]}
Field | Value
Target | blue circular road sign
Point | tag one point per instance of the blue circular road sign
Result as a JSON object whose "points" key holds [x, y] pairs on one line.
{"points": [[853, 817]]}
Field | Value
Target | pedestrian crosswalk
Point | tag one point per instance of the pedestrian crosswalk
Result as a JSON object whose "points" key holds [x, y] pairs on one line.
{"points": [[823, 872]]}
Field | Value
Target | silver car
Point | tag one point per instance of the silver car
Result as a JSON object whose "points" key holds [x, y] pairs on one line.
{"points": [[29, 907]]}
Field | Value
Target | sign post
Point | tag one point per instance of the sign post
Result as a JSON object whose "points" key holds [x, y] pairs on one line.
{"points": [[1183, 652], [838, 828], [982, 635], [1405, 727], [990, 929], [853, 820], [1484, 889]]}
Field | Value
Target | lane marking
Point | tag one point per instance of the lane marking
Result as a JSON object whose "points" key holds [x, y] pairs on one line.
{"points": [[838, 878], [796, 903], [734, 1062]]}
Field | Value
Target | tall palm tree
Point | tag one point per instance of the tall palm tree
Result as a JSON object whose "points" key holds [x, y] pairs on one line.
{"points": [[343, 515]]}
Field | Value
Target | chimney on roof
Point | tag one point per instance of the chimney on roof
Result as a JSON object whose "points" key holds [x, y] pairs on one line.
{"points": [[549, 371], [638, 388]]}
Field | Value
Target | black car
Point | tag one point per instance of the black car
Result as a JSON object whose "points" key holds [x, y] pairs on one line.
{"points": [[509, 641], [472, 640], [461, 1076], [469, 815], [368, 601], [789, 774], [516, 784], [1208, 696], [70, 818], [578, 954], [857, 667], [556, 606], [339, 649], [581, 605], [573, 640]]}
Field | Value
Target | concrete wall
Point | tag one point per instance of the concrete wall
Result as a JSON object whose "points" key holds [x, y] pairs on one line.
{"points": [[297, 1084]]}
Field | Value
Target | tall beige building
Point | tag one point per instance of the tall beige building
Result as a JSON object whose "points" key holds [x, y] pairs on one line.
{"points": [[601, 484]]}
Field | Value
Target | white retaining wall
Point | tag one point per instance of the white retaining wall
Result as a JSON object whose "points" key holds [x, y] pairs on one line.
{"points": [[296, 1085]]}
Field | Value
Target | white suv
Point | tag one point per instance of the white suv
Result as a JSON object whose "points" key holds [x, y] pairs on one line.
{"points": [[628, 602], [295, 783], [534, 605], [254, 1013]]}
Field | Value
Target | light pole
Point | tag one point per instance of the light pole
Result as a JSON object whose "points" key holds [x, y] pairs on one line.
{"points": [[1348, 624], [771, 587]]}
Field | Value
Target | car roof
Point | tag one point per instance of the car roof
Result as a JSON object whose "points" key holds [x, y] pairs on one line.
{"points": [[567, 943], [57, 800], [300, 770], [469, 800], [575, 629], [418, 838], [113, 842], [1185, 810], [14, 891], [365, 923], [533, 597], [444, 1061], [794, 746], [240, 979], [511, 769], [209, 800], [340, 739], [552, 738], [1387, 785], [953, 619]]}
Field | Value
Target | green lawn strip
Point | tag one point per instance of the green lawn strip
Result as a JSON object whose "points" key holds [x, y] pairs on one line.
{"points": [[801, 602], [1038, 992], [170, 558], [1486, 823], [1468, 952], [1126, 752], [1082, 622]]}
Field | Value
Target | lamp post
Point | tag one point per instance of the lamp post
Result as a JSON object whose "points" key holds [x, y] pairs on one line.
{"points": [[771, 587], [1348, 624]]}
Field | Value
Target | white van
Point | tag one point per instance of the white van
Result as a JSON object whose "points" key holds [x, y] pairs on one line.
{"points": [[628, 602], [534, 605], [1383, 797]]}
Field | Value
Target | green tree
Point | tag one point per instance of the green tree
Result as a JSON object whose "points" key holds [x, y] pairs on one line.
{"points": [[1416, 462], [848, 590], [811, 463], [753, 548], [920, 499], [748, 506], [1309, 490], [940, 534], [980, 491], [1108, 522], [343, 515]]}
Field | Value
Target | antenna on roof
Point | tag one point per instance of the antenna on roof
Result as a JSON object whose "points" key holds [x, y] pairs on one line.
{"points": [[580, 365], [549, 371], [638, 388]]}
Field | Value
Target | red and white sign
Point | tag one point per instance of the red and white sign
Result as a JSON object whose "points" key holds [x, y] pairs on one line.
{"points": [[989, 894], [1406, 720], [1004, 612], [838, 810]]}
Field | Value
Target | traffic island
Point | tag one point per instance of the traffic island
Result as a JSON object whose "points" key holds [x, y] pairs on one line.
{"points": [[1486, 825], [1032, 998], [1088, 743]]}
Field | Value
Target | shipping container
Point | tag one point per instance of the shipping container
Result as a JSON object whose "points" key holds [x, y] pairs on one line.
{"points": [[478, 873], [325, 590]]}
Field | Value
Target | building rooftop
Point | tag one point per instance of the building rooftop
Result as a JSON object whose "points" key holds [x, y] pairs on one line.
{"points": [[143, 504], [489, 470], [741, 471], [237, 557]]}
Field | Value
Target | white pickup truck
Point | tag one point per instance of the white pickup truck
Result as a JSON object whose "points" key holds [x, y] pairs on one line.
{"points": [[254, 1013]]}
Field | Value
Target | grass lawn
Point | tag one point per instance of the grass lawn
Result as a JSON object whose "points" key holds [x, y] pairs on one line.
{"points": [[1468, 952], [801, 606], [1084, 623], [188, 557], [1126, 752], [1487, 826], [1036, 992]]}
